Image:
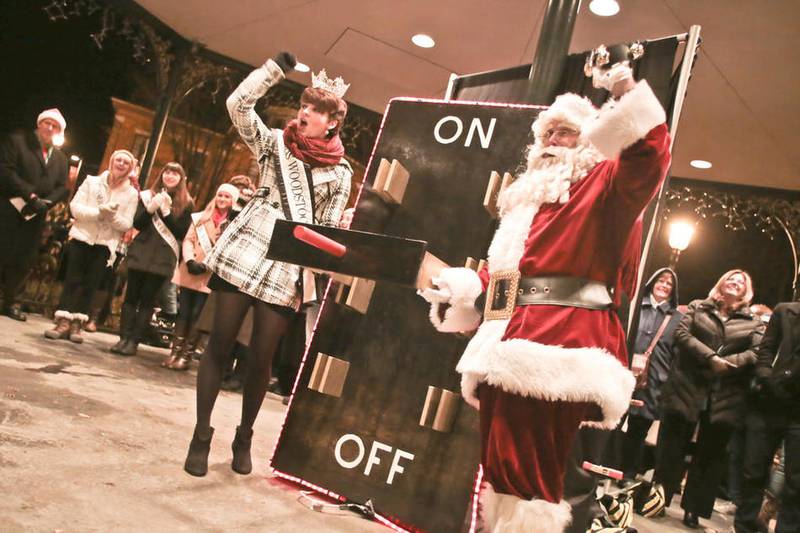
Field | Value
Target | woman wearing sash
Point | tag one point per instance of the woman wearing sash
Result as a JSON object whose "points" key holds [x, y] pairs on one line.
{"points": [[163, 216], [306, 160], [192, 275], [103, 209]]}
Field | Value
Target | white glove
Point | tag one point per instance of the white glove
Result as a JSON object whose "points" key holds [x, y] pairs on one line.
{"points": [[435, 295], [107, 210], [456, 288], [165, 205], [607, 79]]}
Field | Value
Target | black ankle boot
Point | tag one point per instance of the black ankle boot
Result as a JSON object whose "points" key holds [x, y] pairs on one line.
{"points": [[241, 462], [129, 348], [197, 459], [690, 520]]}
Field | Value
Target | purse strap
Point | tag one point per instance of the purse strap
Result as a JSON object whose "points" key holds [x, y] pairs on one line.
{"points": [[649, 351]]}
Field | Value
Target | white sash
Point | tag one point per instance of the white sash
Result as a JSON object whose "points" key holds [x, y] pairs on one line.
{"points": [[161, 228], [294, 185], [202, 234]]}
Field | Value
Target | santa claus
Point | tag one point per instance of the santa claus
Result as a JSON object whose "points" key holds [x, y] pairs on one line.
{"points": [[549, 353]]}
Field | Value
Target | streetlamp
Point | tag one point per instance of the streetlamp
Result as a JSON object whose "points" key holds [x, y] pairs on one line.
{"points": [[680, 235]]}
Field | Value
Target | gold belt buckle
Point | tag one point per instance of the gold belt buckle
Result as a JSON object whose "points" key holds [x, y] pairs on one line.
{"points": [[501, 295]]}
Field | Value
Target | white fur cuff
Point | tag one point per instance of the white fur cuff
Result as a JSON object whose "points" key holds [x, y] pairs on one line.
{"points": [[554, 373], [81, 317], [505, 513], [622, 123], [63, 314]]}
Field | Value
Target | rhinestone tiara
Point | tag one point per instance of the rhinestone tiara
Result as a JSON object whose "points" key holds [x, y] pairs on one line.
{"points": [[322, 81]]}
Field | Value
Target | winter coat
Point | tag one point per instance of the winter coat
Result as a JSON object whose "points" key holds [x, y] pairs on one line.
{"points": [[89, 227], [661, 358], [148, 251], [193, 249], [239, 256], [691, 387], [779, 361], [23, 170]]}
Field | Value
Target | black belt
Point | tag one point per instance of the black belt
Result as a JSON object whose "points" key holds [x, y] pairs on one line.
{"points": [[566, 291]]}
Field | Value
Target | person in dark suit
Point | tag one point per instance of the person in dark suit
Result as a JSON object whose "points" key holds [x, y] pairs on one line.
{"points": [[772, 417], [33, 177]]}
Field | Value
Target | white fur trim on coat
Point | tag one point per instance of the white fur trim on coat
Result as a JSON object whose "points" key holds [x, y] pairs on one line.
{"points": [[505, 513], [622, 123], [550, 373], [464, 286]]}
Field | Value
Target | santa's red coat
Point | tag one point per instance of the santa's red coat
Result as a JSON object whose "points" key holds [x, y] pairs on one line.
{"points": [[549, 368]]}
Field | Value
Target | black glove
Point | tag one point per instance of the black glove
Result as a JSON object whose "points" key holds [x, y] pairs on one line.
{"points": [[36, 206], [195, 267], [760, 385], [286, 61]]}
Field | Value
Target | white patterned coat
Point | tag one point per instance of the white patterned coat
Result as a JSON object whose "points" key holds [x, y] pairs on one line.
{"points": [[239, 256]]}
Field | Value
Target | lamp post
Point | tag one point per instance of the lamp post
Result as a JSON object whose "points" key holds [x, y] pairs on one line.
{"points": [[680, 235]]}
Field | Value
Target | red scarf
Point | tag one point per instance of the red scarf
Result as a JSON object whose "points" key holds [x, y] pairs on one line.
{"points": [[314, 152], [218, 216]]}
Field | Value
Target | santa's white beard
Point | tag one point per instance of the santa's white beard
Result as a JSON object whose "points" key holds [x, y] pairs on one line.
{"points": [[550, 172]]}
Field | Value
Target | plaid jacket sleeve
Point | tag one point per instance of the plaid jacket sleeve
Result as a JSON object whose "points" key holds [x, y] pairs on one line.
{"points": [[331, 199], [241, 107]]}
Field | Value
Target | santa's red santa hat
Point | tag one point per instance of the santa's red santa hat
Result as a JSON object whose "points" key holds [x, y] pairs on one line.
{"points": [[53, 114]]}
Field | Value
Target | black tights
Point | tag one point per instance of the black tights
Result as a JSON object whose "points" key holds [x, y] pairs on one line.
{"points": [[269, 324]]}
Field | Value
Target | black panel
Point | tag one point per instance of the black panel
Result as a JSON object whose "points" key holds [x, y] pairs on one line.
{"points": [[393, 351], [368, 255]]}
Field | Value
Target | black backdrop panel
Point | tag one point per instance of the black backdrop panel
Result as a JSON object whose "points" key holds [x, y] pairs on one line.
{"points": [[393, 351]]}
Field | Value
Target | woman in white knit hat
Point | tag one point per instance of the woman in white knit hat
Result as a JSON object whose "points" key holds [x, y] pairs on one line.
{"points": [[103, 209], [192, 275]]}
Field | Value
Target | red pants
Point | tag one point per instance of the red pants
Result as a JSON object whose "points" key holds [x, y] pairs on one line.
{"points": [[525, 442]]}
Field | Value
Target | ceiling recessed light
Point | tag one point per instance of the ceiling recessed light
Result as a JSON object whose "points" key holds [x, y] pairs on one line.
{"points": [[604, 8], [701, 164], [423, 41], [301, 67]]}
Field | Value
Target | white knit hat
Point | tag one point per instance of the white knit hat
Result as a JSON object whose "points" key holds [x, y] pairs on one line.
{"points": [[568, 109], [230, 189], [53, 114]]}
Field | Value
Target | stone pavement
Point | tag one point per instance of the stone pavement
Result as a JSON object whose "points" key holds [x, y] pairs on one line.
{"points": [[90, 441]]}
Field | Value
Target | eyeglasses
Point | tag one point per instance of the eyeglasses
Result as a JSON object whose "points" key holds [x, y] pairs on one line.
{"points": [[560, 133]]}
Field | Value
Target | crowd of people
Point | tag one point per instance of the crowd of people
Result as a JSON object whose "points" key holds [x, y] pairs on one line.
{"points": [[713, 375], [717, 376]]}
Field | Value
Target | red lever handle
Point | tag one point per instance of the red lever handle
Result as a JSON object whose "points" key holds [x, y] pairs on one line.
{"points": [[319, 241], [602, 470]]}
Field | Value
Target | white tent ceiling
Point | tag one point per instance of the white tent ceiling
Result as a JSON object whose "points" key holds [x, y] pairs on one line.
{"points": [[739, 112]]}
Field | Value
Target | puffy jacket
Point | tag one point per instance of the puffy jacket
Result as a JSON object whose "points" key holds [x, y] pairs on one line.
{"points": [[88, 226], [779, 361], [691, 386]]}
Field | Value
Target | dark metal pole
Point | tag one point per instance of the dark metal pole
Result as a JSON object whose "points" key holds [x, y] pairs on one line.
{"points": [[163, 110], [551, 50]]}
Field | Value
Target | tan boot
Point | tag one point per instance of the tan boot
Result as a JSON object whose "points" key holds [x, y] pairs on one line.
{"points": [[183, 359], [62, 327], [75, 327], [178, 344]]}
